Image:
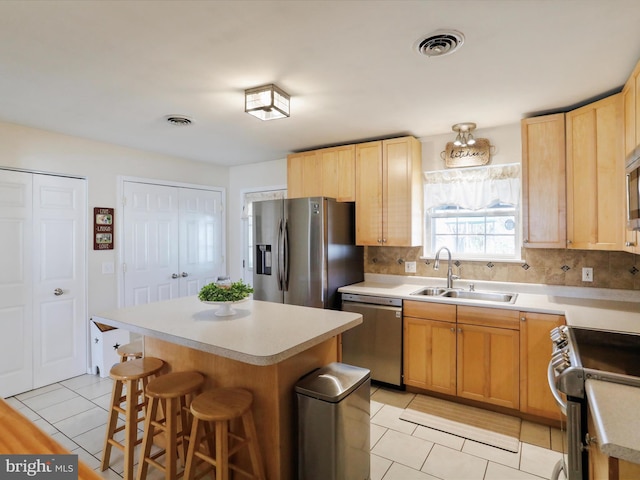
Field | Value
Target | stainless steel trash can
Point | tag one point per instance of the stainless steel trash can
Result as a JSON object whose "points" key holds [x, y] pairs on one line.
{"points": [[333, 423]]}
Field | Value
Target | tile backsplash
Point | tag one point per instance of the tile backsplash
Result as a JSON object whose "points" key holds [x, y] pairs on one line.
{"points": [[618, 270]]}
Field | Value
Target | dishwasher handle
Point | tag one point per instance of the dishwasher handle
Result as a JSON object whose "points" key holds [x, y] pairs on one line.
{"points": [[371, 299]]}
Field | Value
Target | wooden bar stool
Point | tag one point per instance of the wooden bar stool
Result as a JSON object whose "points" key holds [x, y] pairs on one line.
{"points": [[173, 392], [221, 406], [130, 351], [133, 376]]}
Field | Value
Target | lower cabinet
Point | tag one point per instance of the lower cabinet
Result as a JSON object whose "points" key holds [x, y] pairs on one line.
{"points": [[430, 346], [490, 355], [535, 353]]}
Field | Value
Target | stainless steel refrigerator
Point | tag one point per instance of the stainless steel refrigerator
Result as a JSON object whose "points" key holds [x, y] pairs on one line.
{"points": [[304, 251]]}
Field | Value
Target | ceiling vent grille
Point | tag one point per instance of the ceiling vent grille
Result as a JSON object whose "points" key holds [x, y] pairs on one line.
{"points": [[440, 43], [179, 120]]}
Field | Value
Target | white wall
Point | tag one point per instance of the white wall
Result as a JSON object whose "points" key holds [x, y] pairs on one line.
{"points": [[264, 175], [101, 164]]}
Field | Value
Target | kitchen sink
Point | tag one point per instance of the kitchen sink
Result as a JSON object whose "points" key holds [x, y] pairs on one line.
{"points": [[430, 291], [486, 296], [498, 297]]}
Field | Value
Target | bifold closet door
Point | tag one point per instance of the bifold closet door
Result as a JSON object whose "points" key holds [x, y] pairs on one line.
{"points": [[43, 317], [16, 277], [172, 241], [59, 256]]}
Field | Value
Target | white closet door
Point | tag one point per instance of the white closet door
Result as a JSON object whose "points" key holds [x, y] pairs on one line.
{"points": [[151, 225], [59, 255], [16, 299], [201, 256]]}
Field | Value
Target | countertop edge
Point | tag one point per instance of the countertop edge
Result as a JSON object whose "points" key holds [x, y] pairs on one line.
{"points": [[617, 433], [258, 360]]}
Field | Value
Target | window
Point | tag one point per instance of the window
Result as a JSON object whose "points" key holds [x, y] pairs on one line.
{"points": [[247, 221], [474, 212]]}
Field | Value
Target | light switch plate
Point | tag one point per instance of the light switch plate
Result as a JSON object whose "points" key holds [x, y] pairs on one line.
{"points": [[410, 267], [587, 274]]}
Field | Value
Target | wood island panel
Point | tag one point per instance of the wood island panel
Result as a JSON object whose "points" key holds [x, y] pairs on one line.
{"points": [[272, 386]]}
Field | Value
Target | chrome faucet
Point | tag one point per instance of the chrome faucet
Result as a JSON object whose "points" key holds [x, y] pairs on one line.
{"points": [[450, 276]]}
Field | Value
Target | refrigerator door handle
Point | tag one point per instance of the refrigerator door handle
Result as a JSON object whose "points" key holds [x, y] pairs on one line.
{"points": [[280, 255], [285, 245]]}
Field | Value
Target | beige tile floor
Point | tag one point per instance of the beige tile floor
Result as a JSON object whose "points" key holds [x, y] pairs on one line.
{"points": [[74, 412]]}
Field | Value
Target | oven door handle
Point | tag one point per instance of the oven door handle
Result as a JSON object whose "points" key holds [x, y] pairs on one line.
{"points": [[551, 378]]}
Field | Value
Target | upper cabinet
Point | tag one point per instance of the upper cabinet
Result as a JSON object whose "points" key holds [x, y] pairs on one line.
{"points": [[543, 182], [339, 172], [389, 193], [595, 176], [328, 172], [631, 105], [304, 175]]}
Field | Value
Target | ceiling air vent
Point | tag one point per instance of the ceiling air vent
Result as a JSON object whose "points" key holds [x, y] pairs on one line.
{"points": [[439, 43], [179, 120]]}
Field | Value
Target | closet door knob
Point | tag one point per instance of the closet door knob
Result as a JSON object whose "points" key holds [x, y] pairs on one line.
{"points": [[175, 275], [57, 292], [185, 274]]}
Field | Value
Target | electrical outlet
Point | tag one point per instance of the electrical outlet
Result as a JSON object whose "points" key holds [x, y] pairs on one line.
{"points": [[587, 274], [410, 267]]}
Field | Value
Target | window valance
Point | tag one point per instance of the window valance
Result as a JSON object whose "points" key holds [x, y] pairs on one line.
{"points": [[473, 188]]}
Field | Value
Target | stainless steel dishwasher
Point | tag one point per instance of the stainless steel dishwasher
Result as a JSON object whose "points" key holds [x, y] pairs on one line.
{"points": [[376, 343]]}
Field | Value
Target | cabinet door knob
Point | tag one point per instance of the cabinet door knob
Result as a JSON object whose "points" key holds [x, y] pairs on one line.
{"points": [[453, 329], [523, 319], [630, 244]]}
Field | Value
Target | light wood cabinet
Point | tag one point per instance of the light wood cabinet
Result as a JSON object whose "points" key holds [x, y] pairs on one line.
{"points": [[595, 176], [328, 172], [488, 356], [470, 352], [389, 193], [544, 182], [304, 175], [631, 104], [535, 353], [430, 346], [339, 172]]}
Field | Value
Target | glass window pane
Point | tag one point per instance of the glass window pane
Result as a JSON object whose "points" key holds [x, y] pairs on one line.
{"points": [[501, 245]]}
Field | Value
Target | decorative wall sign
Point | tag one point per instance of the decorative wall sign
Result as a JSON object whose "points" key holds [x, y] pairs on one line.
{"points": [[102, 228], [468, 156]]}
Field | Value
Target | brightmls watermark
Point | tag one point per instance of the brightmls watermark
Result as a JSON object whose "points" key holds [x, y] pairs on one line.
{"points": [[39, 467]]}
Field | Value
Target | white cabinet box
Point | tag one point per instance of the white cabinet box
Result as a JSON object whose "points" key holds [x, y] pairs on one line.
{"points": [[105, 341]]}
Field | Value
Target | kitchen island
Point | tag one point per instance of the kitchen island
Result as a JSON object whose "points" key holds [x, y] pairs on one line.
{"points": [[264, 347]]}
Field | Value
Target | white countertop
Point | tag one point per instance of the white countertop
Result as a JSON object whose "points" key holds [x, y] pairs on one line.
{"points": [[606, 309], [614, 409], [260, 333]]}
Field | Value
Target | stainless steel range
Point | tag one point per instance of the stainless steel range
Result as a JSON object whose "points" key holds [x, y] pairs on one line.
{"points": [[580, 354]]}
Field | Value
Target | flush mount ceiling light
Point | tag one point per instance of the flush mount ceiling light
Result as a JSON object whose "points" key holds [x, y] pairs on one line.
{"points": [[267, 102], [440, 43], [464, 137]]}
